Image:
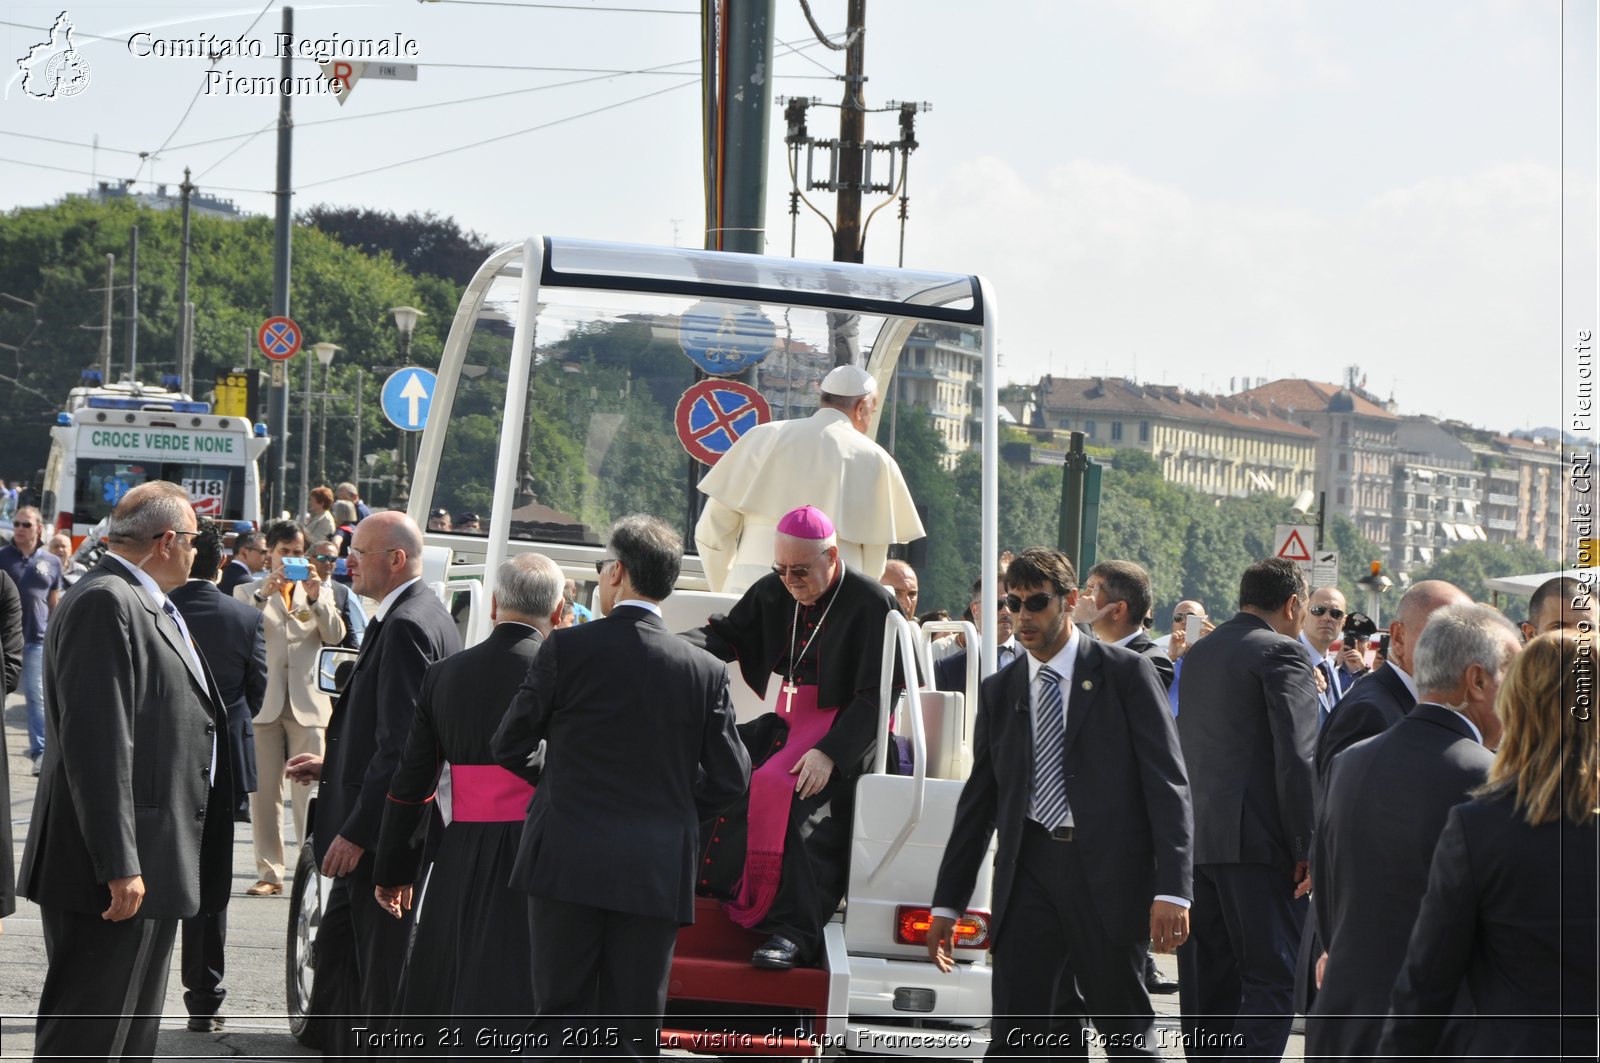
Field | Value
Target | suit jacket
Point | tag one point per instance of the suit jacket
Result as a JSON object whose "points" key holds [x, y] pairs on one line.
{"points": [[373, 715], [234, 574], [1248, 728], [1145, 647], [229, 634], [641, 748], [950, 671], [1510, 915], [464, 697], [1377, 826], [11, 650], [292, 649], [129, 734], [1376, 703], [1125, 785]]}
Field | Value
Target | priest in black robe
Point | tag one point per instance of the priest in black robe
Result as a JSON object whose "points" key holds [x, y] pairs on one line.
{"points": [[471, 952], [780, 860]]}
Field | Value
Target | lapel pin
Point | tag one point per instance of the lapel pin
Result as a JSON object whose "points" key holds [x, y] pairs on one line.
{"points": [[1087, 684]]}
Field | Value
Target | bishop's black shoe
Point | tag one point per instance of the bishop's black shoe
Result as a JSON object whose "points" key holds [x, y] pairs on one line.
{"points": [[777, 954]]}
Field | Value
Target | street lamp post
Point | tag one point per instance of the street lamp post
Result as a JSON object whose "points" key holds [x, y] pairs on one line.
{"points": [[405, 319], [324, 353]]}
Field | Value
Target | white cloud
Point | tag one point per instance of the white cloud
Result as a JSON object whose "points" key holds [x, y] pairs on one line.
{"points": [[1438, 289]]}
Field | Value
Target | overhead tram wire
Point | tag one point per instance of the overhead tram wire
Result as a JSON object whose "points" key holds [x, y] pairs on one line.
{"points": [[69, 143], [199, 90], [128, 180], [493, 140]]}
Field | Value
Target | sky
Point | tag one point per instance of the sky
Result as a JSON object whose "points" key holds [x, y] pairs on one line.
{"points": [[1185, 192]]}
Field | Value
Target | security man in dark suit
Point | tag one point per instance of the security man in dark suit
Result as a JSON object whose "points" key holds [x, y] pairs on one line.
{"points": [[1115, 602], [1380, 818], [360, 948], [1248, 727], [249, 557], [1379, 700], [950, 672], [133, 826], [1076, 767], [229, 636], [641, 748]]}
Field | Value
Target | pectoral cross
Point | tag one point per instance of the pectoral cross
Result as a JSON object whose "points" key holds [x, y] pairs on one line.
{"points": [[789, 691]]}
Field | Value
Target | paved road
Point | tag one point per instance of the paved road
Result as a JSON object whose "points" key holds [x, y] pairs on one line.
{"points": [[257, 928]]}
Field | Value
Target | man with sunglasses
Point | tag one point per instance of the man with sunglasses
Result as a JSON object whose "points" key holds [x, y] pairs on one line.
{"points": [[1321, 628], [132, 828], [1076, 768], [950, 671], [814, 627], [249, 560], [37, 574]]}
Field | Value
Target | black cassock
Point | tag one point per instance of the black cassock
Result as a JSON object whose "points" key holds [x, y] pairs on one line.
{"points": [[844, 662], [470, 954]]}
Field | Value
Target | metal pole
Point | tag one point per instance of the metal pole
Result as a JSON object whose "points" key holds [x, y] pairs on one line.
{"points": [[105, 332], [852, 135], [747, 118], [355, 456], [282, 242], [1070, 535], [305, 434], [185, 351], [133, 304], [322, 427]]}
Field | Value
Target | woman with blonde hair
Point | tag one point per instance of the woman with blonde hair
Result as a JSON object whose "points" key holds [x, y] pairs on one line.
{"points": [[1510, 913]]}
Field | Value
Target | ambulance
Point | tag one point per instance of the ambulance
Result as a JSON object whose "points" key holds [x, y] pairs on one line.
{"points": [[111, 438]]}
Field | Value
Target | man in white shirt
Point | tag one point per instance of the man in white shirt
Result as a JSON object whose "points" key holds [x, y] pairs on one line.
{"points": [[1076, 768], [1320, 629]]}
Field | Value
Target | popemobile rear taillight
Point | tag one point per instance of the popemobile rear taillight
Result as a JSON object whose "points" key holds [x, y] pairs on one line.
{"points": [[911, 926]]}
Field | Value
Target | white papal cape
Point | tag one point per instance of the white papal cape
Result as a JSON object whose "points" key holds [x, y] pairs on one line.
{"points": [[819, 461]]}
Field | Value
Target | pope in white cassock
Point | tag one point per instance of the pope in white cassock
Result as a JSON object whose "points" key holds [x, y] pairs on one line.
{"points": [[826, 460]]}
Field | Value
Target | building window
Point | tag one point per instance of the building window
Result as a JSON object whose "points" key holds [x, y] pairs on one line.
{"points": [[1344, 462], [1341, 496], [1344, 431], [1066, 423], [1144, 431], [1088, 429], [1116, 431]]}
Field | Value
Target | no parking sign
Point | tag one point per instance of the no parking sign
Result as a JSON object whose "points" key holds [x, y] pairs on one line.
{"points": [[713, 414]]}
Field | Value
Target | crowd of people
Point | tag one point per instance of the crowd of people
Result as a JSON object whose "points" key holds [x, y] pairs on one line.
{"points": [[1402, 850]]}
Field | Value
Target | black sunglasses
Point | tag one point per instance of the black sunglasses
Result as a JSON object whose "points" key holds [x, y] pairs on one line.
{"points": [[1033, 603], [1148, 622], [1327, 610], [600, 565]]}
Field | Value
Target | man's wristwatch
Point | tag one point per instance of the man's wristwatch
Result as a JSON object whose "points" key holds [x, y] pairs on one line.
{"points": [[261, 599]]}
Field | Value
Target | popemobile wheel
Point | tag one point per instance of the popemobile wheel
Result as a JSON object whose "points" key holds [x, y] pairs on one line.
{"points": [[305, 919]]}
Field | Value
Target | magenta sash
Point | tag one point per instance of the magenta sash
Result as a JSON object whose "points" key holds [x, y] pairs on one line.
{"points": [[771, 793], [487, 793]]}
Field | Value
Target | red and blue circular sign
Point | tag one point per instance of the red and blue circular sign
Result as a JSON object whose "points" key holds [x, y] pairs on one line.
{"points": [[713, 414], [279, 338]]}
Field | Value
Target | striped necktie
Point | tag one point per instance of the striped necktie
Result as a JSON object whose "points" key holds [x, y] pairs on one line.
{"points": [[1049, 804]]}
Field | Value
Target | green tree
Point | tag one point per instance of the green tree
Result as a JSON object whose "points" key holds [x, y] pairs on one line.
{"points": [[1470, 566], [921, 455], [53, 257]]}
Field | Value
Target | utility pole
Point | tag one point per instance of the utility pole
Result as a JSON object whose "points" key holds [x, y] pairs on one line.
{"points": [[185, 348], [278, 401], [133, 305], [105, 331], [852, 137]]}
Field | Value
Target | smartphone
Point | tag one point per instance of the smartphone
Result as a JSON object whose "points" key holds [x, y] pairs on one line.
{"points": [[296, 568], [1191, 627]]}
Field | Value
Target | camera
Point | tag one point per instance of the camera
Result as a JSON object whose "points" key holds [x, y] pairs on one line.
{"points": [[1358, 627], [296, 568]]}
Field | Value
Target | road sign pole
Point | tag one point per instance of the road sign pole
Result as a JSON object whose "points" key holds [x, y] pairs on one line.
{"points": [[282, 241]]}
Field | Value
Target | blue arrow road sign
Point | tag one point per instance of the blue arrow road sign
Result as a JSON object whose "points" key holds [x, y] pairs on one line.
{"points": [[407, 394]]}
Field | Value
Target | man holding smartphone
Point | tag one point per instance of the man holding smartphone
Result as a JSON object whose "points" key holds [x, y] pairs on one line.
{"points": [[299, 617]]}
